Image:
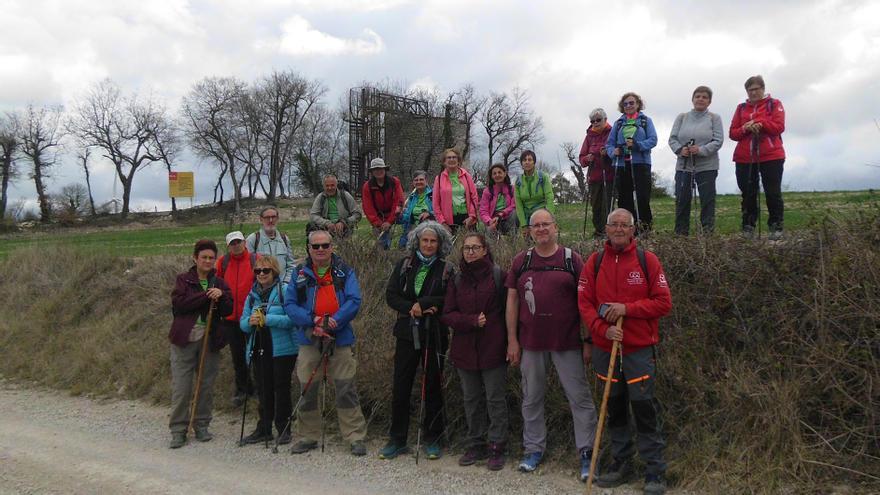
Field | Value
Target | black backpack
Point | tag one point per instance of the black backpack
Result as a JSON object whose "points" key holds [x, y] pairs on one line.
{"points": [[568, 265]]}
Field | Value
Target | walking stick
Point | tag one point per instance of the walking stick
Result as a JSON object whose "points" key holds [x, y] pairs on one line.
{"points": [[246, 397], [586, 199], [422, 402], [195, 399], [441, 374], [302, 394], [693, 202], [604, 408], [324, 343]]}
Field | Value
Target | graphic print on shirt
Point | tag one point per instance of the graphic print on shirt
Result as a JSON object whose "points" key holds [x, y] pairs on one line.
{"points": [[529, 295]]}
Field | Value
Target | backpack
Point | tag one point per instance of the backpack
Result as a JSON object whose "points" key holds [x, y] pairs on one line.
{"points": [[639, 252], [224, 261], [257, 240], [540, 182], [339, 274], [497, 275], [569, 265], [345, 202]]}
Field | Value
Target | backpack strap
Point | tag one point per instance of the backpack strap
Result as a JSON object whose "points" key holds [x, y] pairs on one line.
{"points": [[639, 252], [568, 265], [256, 240], [224, 264]]}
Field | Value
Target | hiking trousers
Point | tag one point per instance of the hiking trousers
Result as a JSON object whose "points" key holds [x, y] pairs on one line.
{"points": [[273, 377], [184, 367], [632, 385], [705, 182], [407, 361], [485, 404], [771, 178], [570, 368], [341, 369]]}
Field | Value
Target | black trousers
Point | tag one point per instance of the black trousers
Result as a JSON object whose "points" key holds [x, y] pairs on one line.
{"points": [[624, 177], [273, 377], [600, 203], [771, 178], [705, 182], [407, 360], [237, 341]]}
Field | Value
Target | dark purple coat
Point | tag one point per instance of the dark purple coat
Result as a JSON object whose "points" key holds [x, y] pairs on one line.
{"points": [[474, 291], [188, 302]]}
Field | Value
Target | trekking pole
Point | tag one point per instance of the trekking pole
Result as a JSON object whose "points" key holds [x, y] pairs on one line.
{"points": [[757, 146], [586, 198], [604, 408], [632, 175], [246, 393], [324, 356], [693, 187], [195, 399], [442, 375], [422, 401]]}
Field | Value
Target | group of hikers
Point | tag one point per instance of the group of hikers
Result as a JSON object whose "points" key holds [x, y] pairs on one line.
{"points": [[549, 306]]}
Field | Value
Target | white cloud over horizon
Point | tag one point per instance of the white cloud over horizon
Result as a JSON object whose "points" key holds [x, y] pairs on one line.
{"points": [[821, 58]]}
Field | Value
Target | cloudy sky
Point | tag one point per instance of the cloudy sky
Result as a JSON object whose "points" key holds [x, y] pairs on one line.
{"points": [[822, 59]]}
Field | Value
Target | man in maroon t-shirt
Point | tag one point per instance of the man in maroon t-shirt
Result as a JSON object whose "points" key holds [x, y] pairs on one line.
{"points": [[543, 325]]}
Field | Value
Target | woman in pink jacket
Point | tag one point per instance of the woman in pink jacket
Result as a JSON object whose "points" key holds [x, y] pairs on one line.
{"points": [[455, 195], [497, 205]]}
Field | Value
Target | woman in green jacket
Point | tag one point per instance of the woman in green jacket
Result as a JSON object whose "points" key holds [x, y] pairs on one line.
{"points": [[533, 190]]}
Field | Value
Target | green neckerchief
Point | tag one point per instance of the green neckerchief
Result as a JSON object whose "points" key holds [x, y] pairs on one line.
{"points": [[420, 278], [204, 284], [458, 205], [332, 210], [322, 270]]}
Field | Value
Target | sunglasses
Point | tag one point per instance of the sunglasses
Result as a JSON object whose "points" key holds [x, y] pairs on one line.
{"points": [[263, 271], [629, 103], [596, 121], [326, 245], [270, 217]]}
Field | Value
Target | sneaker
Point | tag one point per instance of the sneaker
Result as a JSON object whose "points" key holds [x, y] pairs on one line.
{"points": [[530, 461], [178, 440], [392, 449], [303, 446], [496, 456], [616, 474], [776, 235], [473, 454], [358, 448], [586, 458], [258, 436], [433, 451], [284, 438], [654, 484], [203, 435]]}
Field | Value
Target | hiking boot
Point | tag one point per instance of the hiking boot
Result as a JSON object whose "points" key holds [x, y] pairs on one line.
{"points": [[654, 484], [586, 457], [776, 235], [433, 451], [473, 454], [284, 438], [392, 449], [618, 473], [748, 232], [496, 456], [358, 448], [258, 436], [178, 440], [303, 446], [203, 435], [530, 461]]}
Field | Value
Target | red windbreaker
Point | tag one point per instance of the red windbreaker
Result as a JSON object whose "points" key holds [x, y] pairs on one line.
{"points": [[770, 113], [239, 276], [594, 142], [622, 280], [382, 204]]}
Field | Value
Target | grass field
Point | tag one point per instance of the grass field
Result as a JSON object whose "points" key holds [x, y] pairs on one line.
{"points": [[801, 209]]}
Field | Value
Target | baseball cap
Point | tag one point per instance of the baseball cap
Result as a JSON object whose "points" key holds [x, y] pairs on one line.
{"points": [[233, 236]]}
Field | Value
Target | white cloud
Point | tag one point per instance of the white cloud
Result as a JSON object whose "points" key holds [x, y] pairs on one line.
{"points": [[300, 38]]}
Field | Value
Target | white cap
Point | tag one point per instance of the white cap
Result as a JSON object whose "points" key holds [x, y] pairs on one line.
{"points": [[377, 163], [233, 236]]}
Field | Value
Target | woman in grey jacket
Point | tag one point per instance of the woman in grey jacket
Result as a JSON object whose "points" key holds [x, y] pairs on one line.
{"points": [[696, 138]]}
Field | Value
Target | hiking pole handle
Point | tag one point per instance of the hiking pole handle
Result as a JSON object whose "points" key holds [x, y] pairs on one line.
{"points": [[604, 408]]}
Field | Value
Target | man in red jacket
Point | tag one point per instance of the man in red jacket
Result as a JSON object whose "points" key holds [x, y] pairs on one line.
{"points": [[757, 127], [628, 283], [382, 198], [236, 268]]}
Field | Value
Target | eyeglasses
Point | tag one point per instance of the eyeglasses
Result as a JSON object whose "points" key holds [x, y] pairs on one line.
{"points": [[542, 225], [754, 88], [629, 103], [596, 121], [619, 225], [471, 249], [325, 245], [270, 217], [262, 271]]}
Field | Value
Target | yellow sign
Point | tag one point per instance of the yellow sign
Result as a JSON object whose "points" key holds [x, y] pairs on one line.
{"points": [[181, 185]]}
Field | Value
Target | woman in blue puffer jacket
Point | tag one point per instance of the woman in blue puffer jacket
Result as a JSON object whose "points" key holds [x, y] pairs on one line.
{"points": [[629, 146], [272, 349]]}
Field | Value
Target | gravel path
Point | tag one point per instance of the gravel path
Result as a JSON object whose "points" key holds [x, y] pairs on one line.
{"points": [[53, 443]]}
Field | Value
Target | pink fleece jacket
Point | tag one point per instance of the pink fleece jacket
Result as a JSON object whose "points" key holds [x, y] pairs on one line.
{"points": [[489, 200], [443, 195]]}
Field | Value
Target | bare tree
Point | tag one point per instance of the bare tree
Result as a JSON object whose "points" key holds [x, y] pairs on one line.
{"points": [[9, 145], [320, 149], [571, 154], [283, 100], [466, 105], [83, 158], [73, 199], [40, 134], [166, 146], [214, 126], [122, 128], [510, 125]]}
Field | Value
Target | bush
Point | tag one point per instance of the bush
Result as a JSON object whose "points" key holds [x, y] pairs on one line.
{"points": [[768, 370]]}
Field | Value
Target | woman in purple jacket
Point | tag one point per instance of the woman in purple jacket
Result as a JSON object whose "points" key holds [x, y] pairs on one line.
{"points": [[474, 310], [497, 205]]}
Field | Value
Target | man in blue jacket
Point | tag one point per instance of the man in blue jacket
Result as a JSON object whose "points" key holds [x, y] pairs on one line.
{"points": [[323, 288]]}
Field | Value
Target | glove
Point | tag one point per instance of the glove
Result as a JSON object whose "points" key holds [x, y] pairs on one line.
{"points": [[261, 317]]}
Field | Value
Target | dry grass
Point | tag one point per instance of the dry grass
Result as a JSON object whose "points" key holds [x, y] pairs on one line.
{"points": [[768, 371]]}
